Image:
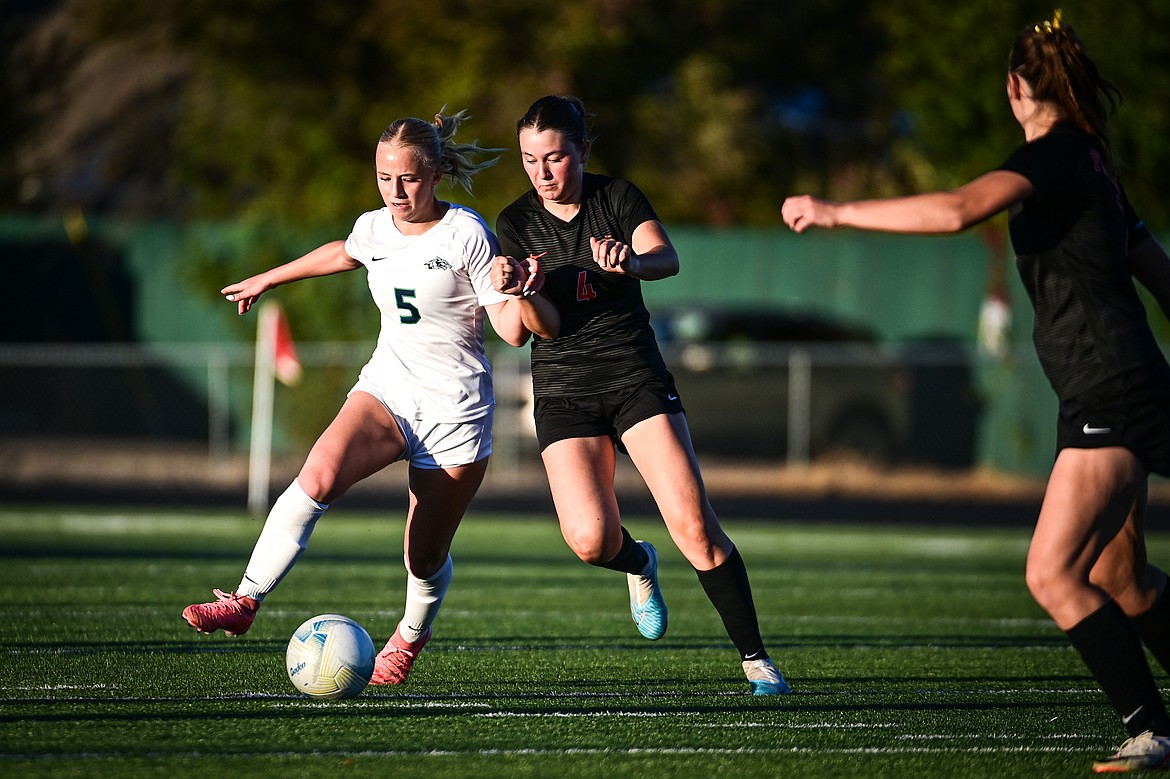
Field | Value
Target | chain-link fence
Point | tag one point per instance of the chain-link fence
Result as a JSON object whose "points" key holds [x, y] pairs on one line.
{"points": [[924, 404]]}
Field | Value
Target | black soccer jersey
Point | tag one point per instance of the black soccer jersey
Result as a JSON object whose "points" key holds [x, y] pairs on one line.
{"points": [[1072, 239], [605, 341]]}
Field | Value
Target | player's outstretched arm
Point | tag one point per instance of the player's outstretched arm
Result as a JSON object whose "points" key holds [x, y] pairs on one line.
{"points": [[932, 213], [322, 261]]}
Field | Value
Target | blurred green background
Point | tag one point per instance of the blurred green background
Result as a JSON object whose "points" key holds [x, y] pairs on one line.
{"points": [[166, 149]]}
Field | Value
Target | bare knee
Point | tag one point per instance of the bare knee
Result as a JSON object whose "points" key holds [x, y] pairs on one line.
{"points": [[701, 539], [591, 553], [1047, 584], [1065, 593], [425, 565], [319, 483], [590, 547]]}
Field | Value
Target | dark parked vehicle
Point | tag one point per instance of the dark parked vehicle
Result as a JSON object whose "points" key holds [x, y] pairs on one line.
{"points": [[774, 384]]}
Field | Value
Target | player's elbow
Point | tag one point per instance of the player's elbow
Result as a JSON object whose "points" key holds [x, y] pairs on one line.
{"points": [[956, 223], [547, 333], [515, 339], [661, 262], [979, 200], [954, 216], [670, 264], [545, 323]]}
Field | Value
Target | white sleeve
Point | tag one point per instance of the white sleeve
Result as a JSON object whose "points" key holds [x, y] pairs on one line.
{"points": [[359, 244], [482, 247]]}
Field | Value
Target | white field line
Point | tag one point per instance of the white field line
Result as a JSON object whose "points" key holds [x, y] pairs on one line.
{"points": [[489, 701], [81, 524], [220, 756], [818, 619], [225, 648], [791, 543], [480, 706]]}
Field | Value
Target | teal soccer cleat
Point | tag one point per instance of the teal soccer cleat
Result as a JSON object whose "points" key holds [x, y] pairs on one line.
{"points": [[647, 607]]}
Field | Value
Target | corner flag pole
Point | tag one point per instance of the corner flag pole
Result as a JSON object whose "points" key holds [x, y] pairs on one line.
{"points": [[260, 454]]}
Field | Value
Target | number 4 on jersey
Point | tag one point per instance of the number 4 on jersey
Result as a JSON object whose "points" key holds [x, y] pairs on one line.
{"points": [[585, 290]]}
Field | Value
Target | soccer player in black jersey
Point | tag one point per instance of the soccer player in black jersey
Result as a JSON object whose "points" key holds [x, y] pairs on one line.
{"points": [[1079, 245], [601, 380]]}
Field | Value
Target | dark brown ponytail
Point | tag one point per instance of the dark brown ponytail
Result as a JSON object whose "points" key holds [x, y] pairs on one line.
{"points": [[1052, 59]]}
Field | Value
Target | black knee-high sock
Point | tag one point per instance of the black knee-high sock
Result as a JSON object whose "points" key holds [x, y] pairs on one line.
{"points": [[1110, 647], [631, 558], [730, 592], [1154, 628]]}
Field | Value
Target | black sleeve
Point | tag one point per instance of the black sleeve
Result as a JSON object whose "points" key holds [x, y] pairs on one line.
{"points": [[508, 236], [1134, 224]]}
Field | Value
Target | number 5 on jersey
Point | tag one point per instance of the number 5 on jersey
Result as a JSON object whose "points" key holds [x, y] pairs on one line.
{"points": [[411, 314]]}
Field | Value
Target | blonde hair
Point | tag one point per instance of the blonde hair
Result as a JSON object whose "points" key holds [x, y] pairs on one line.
{"points": [[435, 146]]}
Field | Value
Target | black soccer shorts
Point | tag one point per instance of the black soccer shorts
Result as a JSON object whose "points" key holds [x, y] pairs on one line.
{"points": [[605, 414]]}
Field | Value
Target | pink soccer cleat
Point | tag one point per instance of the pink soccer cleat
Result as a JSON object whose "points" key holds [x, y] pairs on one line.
{"points": [[231, 613], [393, 663]]}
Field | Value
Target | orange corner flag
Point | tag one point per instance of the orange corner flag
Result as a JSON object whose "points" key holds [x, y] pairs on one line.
{"points": [[288, 365]]}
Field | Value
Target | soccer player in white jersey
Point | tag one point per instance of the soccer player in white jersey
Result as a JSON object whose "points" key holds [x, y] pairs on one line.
{"points": [[425, 396]]}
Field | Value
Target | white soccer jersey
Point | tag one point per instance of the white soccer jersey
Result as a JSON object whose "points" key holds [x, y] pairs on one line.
{"points": [[431, 289]]}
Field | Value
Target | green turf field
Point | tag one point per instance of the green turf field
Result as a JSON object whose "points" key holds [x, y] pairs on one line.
{"points": [[913, 651]]}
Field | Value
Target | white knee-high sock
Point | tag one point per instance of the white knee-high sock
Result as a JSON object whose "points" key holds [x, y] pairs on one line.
{"points": [[423, 599], [282, 541]]}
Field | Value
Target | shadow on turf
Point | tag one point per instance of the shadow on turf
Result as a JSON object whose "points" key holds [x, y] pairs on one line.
{"points": [[528, 643], [397, 702]]}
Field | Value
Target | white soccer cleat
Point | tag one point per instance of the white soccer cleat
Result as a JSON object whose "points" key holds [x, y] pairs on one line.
{"points": [[1142, 752], [765, 678]]}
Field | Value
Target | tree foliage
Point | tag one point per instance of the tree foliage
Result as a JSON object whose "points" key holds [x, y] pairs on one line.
{"points": [[268, 111], [264, 113], [252, 123], [945, 66]]}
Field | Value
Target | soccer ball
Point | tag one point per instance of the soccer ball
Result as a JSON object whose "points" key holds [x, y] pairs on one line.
{"points": [[330, 656]]}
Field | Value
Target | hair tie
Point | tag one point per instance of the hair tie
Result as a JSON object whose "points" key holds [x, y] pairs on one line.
{"points": [[1050, 27]]}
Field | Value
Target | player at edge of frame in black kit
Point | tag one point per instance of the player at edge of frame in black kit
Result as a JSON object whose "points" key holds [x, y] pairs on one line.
{"points": [[1079, 244], [601, 384]]}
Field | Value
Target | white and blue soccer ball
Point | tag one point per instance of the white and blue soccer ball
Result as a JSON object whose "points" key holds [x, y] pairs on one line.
{"points": [[330, 656]]}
